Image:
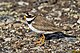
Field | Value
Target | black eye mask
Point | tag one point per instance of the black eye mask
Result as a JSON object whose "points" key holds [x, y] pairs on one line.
{"points": [[29, 16]]}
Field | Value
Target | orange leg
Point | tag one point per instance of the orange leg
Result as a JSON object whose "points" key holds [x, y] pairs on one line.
{"points": [[40, 41]]}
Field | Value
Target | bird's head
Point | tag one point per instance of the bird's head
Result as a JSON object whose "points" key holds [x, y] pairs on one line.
{"points": [[29, 18]]}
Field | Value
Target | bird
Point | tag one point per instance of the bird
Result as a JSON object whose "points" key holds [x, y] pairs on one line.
{"points": [[40, 25]]}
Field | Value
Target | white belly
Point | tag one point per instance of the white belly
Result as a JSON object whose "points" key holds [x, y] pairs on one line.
{"points": [[34, 29], [38, 31]]}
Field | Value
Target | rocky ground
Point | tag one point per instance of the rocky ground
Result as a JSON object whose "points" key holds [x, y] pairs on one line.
{"points": [[15, 36]]}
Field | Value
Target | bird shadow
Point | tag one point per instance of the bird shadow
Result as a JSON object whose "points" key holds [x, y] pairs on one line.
{"points": [[57, 35]]}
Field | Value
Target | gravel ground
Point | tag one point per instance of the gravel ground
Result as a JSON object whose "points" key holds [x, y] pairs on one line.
{"points": [[15, 36]]}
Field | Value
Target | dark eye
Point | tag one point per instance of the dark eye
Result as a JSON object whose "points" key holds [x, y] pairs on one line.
{"points": [[29, 16]]}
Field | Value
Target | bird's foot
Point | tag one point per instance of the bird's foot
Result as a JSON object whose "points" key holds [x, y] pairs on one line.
{"points": [[41, 40]]}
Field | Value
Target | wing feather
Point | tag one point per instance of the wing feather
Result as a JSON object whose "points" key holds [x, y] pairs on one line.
{"points": [[44, 25]]}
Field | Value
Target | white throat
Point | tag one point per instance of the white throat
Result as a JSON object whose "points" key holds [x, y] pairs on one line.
{"points": [[34, 29], [29, 19]]}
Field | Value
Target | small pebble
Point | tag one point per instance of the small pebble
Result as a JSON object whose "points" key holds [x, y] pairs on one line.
{"points": [[78, 21], [7, 39]]}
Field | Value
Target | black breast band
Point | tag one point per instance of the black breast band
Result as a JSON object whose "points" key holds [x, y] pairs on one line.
{"points": [[29, 22]]}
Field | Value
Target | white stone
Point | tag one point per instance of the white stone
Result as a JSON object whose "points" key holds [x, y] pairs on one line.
{"points": [[57, 18], [77, 41], [75, 16], [78, 21], [26, 3], [21, 3], [33, 10], [12, 31], [66, 9], [40, 7], [7, 39], [54, 42]]}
